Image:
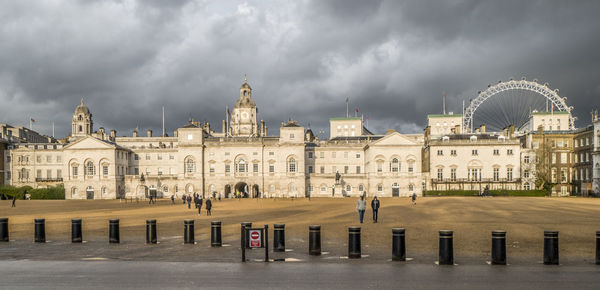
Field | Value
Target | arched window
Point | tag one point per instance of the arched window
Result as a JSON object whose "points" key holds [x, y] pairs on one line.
{"points": [[103, 191], [89, 168], [73, 191], [292, 165], [395, 165], [165, 188], [80, 128], [241, 166], [348, 187], [80, 118], [190, 166], [361, 188], [212, 188], [411, 187]]}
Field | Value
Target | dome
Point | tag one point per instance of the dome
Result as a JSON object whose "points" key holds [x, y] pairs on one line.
{"points": [[245, 103], [245, 85], [82, 108]]}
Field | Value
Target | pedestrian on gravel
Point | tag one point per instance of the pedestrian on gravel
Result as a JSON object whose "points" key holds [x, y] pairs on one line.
{"points": [[375, 208], [189, 201], [361, 205], [199, 203], [208, 207], [14, 201], [196, 200], [151, 199], [414, 198], [172, 199], [183, 197]]}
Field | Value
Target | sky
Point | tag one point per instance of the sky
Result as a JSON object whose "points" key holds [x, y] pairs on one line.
{"points": [[393, 60]]}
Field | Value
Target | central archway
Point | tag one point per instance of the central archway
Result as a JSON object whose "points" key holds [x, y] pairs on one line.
{"points": [[242, 189]]}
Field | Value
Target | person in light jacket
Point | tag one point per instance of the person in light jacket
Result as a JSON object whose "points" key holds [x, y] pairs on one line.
{"points": [[361, 206]]}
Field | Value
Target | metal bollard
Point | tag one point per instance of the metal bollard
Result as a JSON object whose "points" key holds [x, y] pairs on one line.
{"points": [[188, 231], [279, 238], [215, 234], [151, 231], [446, 248], [113, 231], [597, 247], [76, 235], [3, 229], [550, 247], [354, 243], [244, 242], [314, 240], [498, 247], [40, 230], [398, 244]]}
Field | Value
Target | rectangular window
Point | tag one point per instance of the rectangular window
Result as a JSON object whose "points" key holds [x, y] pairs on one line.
{"points": [[227, 153], [358, 169], [48, 173], [136, 171], [75, 173], [255, 167], [105, 170], [440, 174], [474, 152], [292, 136], [136, 157], [310, 169], [496, 174], [346, 169], [227, 168], [333, 154], [453, 174], [526, 159], [496, 152], [58, 173], [159, 156], [58, 159], [38, 159], [563, 158], [322, 154], [453, 152], [322, 169], [271, 168], [536, 144], [333, 169], [345, 154], [509, 152], [147, 156], [357, 155], [440, 152], [379, 167], [159, 171], [48, 158], [554, 158], [38, 173], [563, 175], [410, 168], [379, 187], [171, 157], [526, 173], [310, 155], [271, 153], [509, 174]]}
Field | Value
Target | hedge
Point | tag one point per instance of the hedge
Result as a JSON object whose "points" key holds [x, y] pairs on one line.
{"points": [[57, 192], [497, 192]]}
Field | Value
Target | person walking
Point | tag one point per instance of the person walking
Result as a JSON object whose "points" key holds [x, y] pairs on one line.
{"points": [[151, 199], [414, 198], [208, 207], [189, 201], [199, 204], [14, 201], [172, 199], [375, 208], [361, 205]]}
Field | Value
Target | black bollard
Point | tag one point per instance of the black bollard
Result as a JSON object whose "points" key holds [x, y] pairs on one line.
{"points": [[40, 230], [279, 238], [3, 229], [314, 240], [113, 231], [550, 247], [151, 231], [244, 242], [76, 235], [498, 247], [446, 248], [597, 247], [215, 234], [354, 243], [398, 244], [188, 231]]}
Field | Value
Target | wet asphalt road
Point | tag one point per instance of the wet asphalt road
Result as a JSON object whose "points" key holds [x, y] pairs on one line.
{"points": [[20, 274]]}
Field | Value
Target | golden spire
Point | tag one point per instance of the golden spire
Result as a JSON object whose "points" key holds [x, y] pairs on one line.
{"points": [[82, 101], [245, 80]]}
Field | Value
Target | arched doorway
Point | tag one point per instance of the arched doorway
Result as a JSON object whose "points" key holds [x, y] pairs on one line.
{"points": [[153, 192], [227, 190], [242, 189], [395, 189], [89, 192], [255, 191]]}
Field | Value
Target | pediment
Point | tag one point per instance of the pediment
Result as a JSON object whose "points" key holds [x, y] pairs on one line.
{"points": [[89, 143], [394, 139]]}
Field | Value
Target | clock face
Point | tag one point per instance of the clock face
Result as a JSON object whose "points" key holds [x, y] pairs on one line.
{"points": [[244, 115]]}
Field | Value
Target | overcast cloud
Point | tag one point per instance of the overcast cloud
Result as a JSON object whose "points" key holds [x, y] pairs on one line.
{"points": [[393, 59]]}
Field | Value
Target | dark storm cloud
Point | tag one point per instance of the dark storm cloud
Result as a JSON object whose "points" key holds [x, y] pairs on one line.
{"points": [[393, 59]]}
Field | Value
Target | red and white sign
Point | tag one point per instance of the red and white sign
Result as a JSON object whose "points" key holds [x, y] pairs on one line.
{"points": [[255, 238]]}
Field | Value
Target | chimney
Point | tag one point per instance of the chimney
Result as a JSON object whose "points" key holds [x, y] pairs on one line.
{"points": [[224, 126], [135, 133], [427, 132], [511, 131], [477, 131], [175, 133], [262, 128], [540, 129], [149, 133], [457, 129], [482, 128], [113, 134]]}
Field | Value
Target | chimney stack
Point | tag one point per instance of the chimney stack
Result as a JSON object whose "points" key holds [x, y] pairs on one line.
{"points": [[224, 126], [175, 134], [135, 133], [482, 128], [113, 134], [149, 133]]}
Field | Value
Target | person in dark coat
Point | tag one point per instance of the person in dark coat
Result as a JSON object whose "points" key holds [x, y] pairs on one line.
{"points": [[172, 199], [14, 201], [189, 201], [199, 204], [196, 200], [375, 207], [208, 206], [184, 198]]}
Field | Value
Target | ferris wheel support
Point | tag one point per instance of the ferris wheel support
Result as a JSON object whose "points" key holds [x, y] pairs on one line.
{"points": [[533, 86]]}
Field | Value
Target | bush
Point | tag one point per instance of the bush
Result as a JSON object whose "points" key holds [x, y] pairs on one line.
{"points": [[497, 192], [57, 192]]}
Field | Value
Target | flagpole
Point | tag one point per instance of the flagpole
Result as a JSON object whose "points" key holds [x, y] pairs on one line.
{"points": [[30, 123], [347, 107], [163, 121], [52, 129]]}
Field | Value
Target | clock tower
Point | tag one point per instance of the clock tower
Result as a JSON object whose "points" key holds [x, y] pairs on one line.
{"points": [[243, 118]]}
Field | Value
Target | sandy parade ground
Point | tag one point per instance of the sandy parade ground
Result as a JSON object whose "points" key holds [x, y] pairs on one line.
{"points": [[471, 218]]}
